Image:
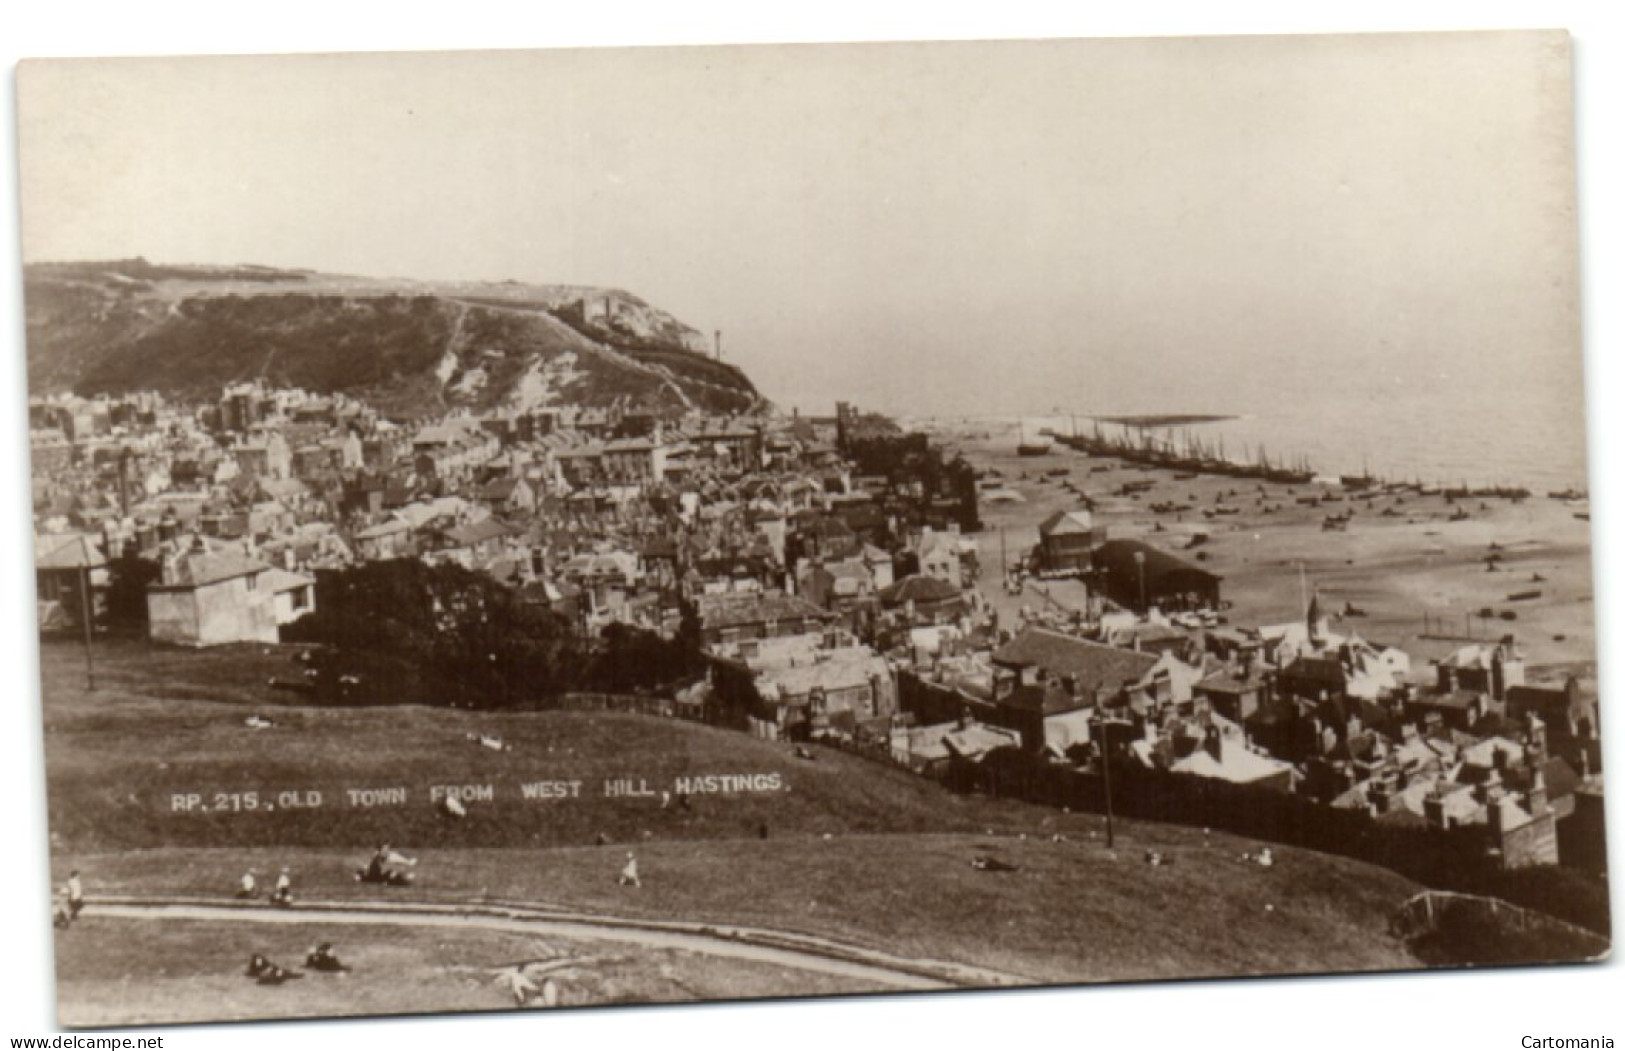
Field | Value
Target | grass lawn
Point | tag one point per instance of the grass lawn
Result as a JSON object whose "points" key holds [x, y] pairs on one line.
{"points": [[164, 724], [1072, 912], [855, 850], [115, 971]]}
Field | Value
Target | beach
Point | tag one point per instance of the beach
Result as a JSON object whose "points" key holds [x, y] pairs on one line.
{"points": [[1417, 575]]}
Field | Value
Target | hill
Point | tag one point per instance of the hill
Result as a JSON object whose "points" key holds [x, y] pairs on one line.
{"points": [[854, 850], [408, 347], [164, 725]]}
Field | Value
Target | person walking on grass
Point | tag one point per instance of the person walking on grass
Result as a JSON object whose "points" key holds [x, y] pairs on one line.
{"points": [[629, 871]]}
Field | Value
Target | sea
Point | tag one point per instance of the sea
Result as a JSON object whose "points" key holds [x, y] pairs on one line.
{"points": [[1509, 437]]}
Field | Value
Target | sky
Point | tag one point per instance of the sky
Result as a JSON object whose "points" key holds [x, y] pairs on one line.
{"points": [[1136, 225]]}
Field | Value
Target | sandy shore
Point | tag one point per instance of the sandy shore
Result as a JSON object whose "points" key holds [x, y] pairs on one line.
{"points": [[1416, 574]]}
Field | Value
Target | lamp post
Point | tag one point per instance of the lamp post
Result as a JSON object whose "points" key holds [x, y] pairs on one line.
{"points": [[87, 614], [1106, 773]]}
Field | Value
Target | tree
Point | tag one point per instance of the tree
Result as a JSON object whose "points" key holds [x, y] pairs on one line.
{"points": [[128, 577]]}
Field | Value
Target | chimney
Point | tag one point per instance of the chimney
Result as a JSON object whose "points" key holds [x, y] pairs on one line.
{"points": [[1379, 798], [1503, 813], [1213, 742], [717, 335], [1537, 793], [1433, 810]]}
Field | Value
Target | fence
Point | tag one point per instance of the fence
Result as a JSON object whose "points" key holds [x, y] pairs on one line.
{"points": [[1430, 910], [1430, 856], [664, 707]]}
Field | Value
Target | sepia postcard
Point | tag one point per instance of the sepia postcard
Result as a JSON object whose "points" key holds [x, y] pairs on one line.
{"points": [[539, 529]]}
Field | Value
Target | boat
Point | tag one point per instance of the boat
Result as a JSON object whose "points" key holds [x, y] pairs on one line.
{"points": [[1026, 448], [1189, 456]]}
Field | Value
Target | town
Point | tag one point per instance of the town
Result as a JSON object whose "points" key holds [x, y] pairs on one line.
{"points": [[834, 580]]}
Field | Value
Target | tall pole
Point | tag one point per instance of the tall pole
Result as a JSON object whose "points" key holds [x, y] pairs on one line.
{"points": [[1106, 772], [87, 612]]}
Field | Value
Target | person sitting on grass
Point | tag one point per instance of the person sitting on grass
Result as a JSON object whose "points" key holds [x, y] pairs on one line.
{"points": [[76, 895], [321, 958], [274, 975], [378, 869], [248, 886], [60, 918], [282, 892]]}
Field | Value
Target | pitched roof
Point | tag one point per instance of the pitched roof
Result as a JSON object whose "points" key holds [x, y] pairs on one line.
{"points": [[828, 675], [1327, 670], [1043, 701], [197, 569], [733, 610], [919, 589], [283, 580], [72, 551], [1117, 557], [477, 532], [1239, 765], [1089, 664], [500, 488], [1066, 523]]}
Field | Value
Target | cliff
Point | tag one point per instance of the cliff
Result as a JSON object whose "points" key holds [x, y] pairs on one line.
{"points": [[409, 347]]}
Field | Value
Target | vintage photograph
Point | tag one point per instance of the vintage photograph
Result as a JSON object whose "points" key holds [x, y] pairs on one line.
{"points": [[538, 529]]}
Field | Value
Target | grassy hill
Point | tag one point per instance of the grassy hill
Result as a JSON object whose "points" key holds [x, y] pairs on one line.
{"points": [[410, 347], [853, 849], [166, 723]]}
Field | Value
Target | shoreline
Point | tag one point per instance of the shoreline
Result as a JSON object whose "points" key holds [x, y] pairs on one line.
{"points": [[1413, 566], [1134, 440]]}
